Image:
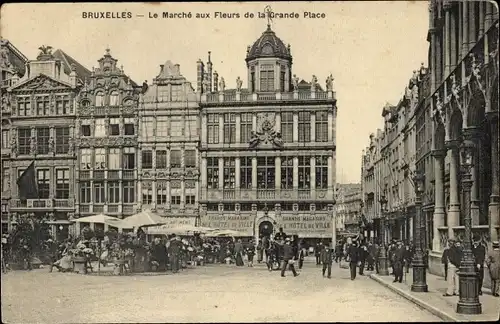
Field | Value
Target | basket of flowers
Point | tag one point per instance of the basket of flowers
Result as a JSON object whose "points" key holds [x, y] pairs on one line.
{"points": [[81, 256]]}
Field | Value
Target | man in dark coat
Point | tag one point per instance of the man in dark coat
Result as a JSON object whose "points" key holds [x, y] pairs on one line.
{"points": [[353, 253], [338, 251], [390, 252], [317, 252], [327, 260], [288, 257], [174, 251], [479, 252], [408, 257], [455, 255], [398, 258], [444, 261], [363, 253]]}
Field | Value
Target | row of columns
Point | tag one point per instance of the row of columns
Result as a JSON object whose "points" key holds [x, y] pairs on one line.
{"points": [[453, 215], [277, 174], [277, 126]]}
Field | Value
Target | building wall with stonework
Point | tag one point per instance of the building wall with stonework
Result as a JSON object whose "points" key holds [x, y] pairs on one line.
{"points": [[463, 57], [268, 151], [107, 128], [43, 110], [168, 154]]}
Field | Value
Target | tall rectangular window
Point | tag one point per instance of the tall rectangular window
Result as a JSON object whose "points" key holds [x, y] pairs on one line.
{"points": [[176, 93], [229, 173], [190, 158], [5, 139], [252, 81], [147, 195], [229, 128], [147, 159], [321, 126], [147, 127], [100, 158], [321, 172], [286, 172], [114, 127], [99, 193], [23, 106], [128, 126], [304, 172], [213, 128], [42, 106], [113, 99], [128, 192], [162, 126], [246, 172], [113, 192], [42, 140], [175, 158], [114, 158], [62, 105], [100, 128], [161, 159], [85, 159], [129, 158], [85, 192], [287, 127], [43, 180], [161, 193], [267, 78], [177, 128], [304, 126], [265, 172], [212, 173], [24, 140], [190, 199], [62, 140], [245, 127], [175, 200], [62, 184], [282, 78]]}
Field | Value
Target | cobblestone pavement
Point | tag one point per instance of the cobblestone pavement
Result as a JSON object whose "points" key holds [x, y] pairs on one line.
{"points": [[213, 293]]}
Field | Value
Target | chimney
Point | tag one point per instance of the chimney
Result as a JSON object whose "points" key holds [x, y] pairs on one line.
{"points": [[199, 75], [216, 81], [162, 66], [209, 71], [177, 70]]}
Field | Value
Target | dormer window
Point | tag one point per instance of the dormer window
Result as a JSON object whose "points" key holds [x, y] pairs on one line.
{"points": [[282, 78], [267, 78], [99, 99]]}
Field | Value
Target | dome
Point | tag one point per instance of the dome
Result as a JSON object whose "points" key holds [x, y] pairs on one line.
{"points": [[268, 45]]}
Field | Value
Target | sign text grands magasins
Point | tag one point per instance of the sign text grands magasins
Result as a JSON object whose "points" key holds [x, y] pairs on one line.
{"points": [[307, 224], [241, 223]]}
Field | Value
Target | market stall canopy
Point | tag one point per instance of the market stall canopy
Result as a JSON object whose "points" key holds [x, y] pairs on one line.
{"points": [[226, 232], [100, 219], [182, 229], [144, 218]]}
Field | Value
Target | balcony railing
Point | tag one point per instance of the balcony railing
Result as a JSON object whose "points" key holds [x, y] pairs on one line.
{"points": [[63, 203], [84, 208], [113, 175], [245, 97], [304, 194], [128, 209], [265, 194], [128, 174], [98, 209], [228, 194], [112, 208]]}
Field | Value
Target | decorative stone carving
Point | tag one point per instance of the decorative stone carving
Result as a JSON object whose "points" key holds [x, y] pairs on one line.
{"points": [[71, 146], [265, 133], [239, 83], [206, 86], [455, 88], [33, 145], [13, 143], [329, 83], [222, 84], [314, 83], [4, 57], [190, 184], [295, 82], [175, 184], [52, 145]]}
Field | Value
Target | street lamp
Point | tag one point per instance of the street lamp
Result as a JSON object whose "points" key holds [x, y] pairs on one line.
{"points": [[382, 266], [419, 274], [468, 302]]}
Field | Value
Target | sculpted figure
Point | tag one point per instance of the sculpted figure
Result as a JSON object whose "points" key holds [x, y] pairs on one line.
{"points": [[329, 83], [222, 84], [52, 145], [295, 82], [314, 82], [239, 83]]}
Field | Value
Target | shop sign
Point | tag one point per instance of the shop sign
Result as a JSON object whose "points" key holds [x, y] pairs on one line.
{"points": [[241, 223], [307, 225]]}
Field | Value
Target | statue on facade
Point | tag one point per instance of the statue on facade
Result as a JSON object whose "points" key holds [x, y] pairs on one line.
{"points": [[52, 145], [222, 84], [278, 140], [455, 88], [71, 146], [45, 50], [33, 145], [254, 139], [295, 82], [13, 144], [239, 83], [314, 82], [4, 57], [205, 86], [329, 83], [438, 113]]}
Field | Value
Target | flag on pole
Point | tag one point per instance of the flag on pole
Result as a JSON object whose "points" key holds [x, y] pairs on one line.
{"points": [[26, 183]]}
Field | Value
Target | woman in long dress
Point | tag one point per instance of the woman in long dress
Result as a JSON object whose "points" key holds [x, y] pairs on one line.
{"points": [[238, 253]]}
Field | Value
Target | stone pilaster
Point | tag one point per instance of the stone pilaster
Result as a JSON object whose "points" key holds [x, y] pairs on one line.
{"points": [[439, 207], [237, 174], [295, 127], [295, 173], [238, 128], [221, 173], [313, 127], [221, 128], [277, 173], [254, 173], [204, 136], [494, 205], [447, 38], [454, 211], [203, 172], [330, 126]]}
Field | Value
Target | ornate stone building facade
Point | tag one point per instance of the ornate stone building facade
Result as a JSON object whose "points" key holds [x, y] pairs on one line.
{"points": [[42, 106], [463, 57], [106, 137], [168, 146], [13, 68], [268, 151]]}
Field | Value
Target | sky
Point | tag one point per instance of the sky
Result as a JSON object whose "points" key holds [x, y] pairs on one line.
{"points": [[370, 48]]}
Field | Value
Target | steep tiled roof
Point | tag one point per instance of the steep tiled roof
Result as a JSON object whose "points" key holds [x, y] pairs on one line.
{"points": [[16, 58], [81, 71]]}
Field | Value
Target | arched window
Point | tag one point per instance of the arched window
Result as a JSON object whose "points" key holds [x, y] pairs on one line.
{"points": [[113, 98], [99, 99]]}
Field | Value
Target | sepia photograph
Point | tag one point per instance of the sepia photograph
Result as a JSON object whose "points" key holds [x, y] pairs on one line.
{"points": [[224, 162]]}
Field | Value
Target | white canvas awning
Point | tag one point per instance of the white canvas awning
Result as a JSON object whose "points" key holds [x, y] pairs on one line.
{"points": [[100, 219], [144, 218]]}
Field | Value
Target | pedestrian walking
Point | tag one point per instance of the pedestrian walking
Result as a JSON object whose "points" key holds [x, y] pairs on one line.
{"points": [[353, 255], [317, 252], [408, 256], [250, 253], [445, 261], [376, 258], [398, 261], [238, 253], [479, 252], [260, 251], [302, 253], [288, 257], [327, 260], [455, 257], [363, 253], [493, 263], [174, 251]]}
